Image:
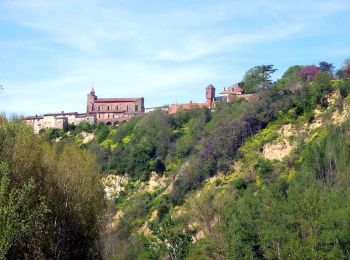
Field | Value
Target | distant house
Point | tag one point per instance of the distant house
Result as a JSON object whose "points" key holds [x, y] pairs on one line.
{"points": [[57, 120], [235, 92], [163, 108]]}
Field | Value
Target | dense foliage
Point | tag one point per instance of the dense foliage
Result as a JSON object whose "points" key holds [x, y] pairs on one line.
{"points": [[51, 199]]}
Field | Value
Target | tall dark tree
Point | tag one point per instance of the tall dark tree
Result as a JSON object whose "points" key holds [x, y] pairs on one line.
{"points": [[326, 67], [267, 71]]}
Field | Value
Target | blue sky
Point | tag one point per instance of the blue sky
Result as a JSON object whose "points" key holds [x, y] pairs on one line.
{"points": [[52, 52]]}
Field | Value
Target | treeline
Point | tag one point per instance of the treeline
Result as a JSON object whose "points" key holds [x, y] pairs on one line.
{"points": [[51, 198]]}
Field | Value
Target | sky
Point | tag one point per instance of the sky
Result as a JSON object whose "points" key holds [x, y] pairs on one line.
{"points": [[53, 52]]}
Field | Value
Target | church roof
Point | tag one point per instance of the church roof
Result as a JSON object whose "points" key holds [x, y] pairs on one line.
{"points": [[101, 100]]}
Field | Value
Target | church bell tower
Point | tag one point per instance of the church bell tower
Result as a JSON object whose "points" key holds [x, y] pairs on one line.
{"points": [[210, 95], [91, 98]]}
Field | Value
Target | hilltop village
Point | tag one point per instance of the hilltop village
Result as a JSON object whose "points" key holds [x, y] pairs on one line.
{"points": [[113, 111]]}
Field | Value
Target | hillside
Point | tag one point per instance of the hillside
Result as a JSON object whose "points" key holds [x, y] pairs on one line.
{"points": [[266, 178], [262, 179], [282, 195]]}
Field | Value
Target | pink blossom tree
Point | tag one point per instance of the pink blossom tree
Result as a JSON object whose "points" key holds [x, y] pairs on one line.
{"points": [[309, 71]]}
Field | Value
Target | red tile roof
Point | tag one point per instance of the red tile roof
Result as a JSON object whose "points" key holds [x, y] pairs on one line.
{"points": [[101, 100], [175, 108], [234, 89]]}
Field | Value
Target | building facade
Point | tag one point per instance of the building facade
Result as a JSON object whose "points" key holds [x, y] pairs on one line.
{"points": [[235, 92], [57, 120], [112, 111], [99, 110]]}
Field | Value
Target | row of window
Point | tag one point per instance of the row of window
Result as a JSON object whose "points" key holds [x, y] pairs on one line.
{"points": [[110, 115], [117, 107]]}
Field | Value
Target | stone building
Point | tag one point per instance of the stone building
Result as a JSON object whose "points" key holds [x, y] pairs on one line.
{"points": [[210, 96], [236, 92], [229, 94], [57, 120], [113, 110], [99, 110]]}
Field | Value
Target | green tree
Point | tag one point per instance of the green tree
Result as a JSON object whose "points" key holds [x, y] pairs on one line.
{"points": [[18, 219], [258, 77]]}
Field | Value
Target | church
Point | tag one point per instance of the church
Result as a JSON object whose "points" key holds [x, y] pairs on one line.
{"points": [[112, 111], [109, 111]]}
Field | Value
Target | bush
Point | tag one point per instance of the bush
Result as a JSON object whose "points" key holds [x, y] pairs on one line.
{"points": [[240, 184]]}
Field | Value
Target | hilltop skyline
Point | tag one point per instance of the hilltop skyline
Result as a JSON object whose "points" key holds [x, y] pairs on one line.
{"points": [[53, 53]]}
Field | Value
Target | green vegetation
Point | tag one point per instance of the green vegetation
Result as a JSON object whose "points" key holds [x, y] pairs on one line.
{"points": [[257, 78], [217, 195], [51, 199]]}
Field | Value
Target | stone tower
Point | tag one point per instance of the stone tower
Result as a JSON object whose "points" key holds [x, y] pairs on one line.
{"points": [[91, 98], [210, 95]]}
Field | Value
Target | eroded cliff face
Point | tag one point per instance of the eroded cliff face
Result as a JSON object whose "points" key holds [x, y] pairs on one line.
{"points": [[114, 185], [282, 146]]}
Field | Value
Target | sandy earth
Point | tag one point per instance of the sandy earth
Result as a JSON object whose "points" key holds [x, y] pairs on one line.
{"points": [[114, 184]]}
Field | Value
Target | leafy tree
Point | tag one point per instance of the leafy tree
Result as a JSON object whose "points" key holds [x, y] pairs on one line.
{"points": [[102, 133], [176, 235], [326, 67], [344, 72], [291, 79], [240, 230], [344, 87], [258, 77], [308, 72], [18, 219]]}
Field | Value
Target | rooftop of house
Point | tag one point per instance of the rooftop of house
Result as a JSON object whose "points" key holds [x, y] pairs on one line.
{"points": [[33, 117], [175, 108], [234, 89], [62, 114]]}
